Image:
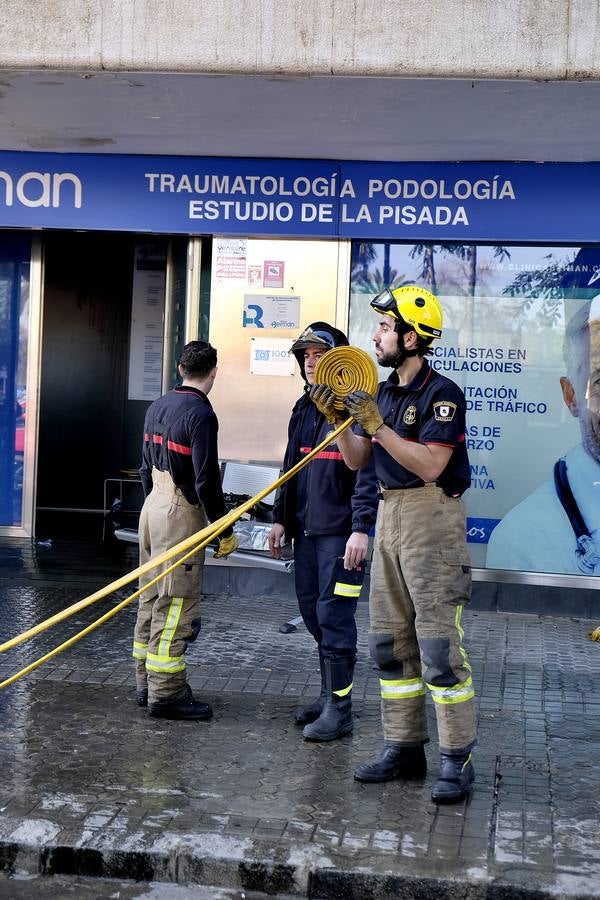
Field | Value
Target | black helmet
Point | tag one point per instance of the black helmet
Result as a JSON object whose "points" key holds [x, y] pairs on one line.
{"points": [[319, 334]]}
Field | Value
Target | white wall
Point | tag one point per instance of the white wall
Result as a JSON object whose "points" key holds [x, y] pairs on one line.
{"points": [[541, 39]]}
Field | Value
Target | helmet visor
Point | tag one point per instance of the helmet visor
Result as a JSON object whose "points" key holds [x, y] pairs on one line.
{"points": [[385, 303], [310, 338]]}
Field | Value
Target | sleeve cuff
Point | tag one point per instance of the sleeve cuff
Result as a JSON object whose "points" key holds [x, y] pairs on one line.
{"points": [[361, 526]]}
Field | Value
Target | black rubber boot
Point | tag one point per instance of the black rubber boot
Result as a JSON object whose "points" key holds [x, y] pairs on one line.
{"points": [[336, 716], [455, 779], [141, 696], [312, 711], [394, 762], [184, 707]]}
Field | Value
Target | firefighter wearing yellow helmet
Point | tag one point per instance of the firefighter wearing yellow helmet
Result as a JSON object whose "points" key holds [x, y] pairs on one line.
{"points": [[414, 429]]}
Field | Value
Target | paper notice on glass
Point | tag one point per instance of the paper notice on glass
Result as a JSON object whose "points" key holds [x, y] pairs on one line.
{"points": [[271, 356], [147, 311], [273, 270], [254, 276], [230, 258]]}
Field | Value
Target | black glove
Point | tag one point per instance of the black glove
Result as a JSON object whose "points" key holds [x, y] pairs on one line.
{"points": [[363, 408]]}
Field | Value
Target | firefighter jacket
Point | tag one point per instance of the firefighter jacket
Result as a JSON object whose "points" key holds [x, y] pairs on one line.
{"points": [[180, 437], [326, 497]]}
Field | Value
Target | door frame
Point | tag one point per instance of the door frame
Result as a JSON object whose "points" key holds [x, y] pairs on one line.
{"points": [[34, 357]]}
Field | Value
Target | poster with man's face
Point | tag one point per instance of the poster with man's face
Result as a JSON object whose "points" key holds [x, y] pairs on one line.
{"points": [[519, 340]]}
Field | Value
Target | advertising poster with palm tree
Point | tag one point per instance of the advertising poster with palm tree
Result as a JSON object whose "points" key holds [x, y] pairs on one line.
{"points": [[522, 339]]}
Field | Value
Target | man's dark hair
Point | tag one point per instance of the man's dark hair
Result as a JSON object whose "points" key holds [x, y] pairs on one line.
{"points": [[424, 347], [197, 359]]}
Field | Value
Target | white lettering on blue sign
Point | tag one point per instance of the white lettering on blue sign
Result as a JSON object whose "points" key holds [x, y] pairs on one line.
{"points": [[430, 189], [35, 189], [426, 215], [305, 198], [240, 210], [250, 185]]}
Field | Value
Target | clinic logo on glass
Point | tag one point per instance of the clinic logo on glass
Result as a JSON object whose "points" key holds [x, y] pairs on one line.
{"points": [[479, 529], [35, 189], [253, 316], [262, 355]]}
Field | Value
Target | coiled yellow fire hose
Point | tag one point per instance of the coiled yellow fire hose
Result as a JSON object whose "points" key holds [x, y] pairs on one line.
{"points": [[343, 369]]}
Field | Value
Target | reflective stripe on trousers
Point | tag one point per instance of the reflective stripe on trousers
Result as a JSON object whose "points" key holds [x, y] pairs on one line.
{"points": [[167, 612], [163, 661], [420, 581], [401, 689], [140, 651]]}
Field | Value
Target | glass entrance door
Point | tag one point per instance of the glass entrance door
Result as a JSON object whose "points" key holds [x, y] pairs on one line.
{"points": [[15, 255]]}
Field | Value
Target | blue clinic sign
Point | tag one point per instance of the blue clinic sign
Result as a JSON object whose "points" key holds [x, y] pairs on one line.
{"points": [[306, 198]]}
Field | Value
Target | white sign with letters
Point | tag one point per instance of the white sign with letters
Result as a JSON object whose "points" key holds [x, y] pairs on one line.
{"points": [[266, 311], [271, 356]]}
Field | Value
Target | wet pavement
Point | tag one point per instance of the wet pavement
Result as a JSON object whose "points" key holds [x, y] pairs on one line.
{"points": [[93, 788], [73, 887]]}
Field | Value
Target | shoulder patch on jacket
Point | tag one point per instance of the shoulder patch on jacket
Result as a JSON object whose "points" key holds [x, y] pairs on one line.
{"points": [[444, 410]]}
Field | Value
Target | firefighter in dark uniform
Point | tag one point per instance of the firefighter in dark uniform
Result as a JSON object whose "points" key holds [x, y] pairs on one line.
{"points": [[328, 516], [421, 576], [182, 485]]}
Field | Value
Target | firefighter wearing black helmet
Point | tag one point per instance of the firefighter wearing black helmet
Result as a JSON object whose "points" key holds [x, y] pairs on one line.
{"points": [[328, 516], [414, 429]]}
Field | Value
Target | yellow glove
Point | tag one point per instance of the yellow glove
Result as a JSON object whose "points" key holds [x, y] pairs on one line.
{"points": [[324, 398], [364, 410], [226, 546]]}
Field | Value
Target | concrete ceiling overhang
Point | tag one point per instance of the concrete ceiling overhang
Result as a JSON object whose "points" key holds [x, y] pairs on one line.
{"points": [[317, 117]]}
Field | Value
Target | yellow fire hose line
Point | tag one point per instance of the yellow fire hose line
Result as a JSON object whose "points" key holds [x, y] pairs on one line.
{"points": [[347, 369], [211, 531], [108, 615], [205, 535], [220, 525]]}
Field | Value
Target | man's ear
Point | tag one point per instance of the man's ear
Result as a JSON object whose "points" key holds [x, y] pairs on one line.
{"points": [[568, 392], [410, 340]]}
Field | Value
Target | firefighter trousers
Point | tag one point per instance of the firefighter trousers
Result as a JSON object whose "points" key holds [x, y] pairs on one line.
{"points": [[168, 616], [420, 581], [327, 593]]}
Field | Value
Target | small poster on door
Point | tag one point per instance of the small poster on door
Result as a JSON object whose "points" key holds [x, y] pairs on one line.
{"points": [[273, 273], [254, 276], [230, 259]]}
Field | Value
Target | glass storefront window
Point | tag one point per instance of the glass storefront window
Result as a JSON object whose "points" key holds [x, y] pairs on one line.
{"points": [[522, 339], [263, 293], [14, 317]]}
